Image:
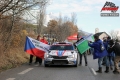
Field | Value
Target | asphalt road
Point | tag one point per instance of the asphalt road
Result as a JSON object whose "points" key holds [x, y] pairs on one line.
{"points": [[31, 72]]}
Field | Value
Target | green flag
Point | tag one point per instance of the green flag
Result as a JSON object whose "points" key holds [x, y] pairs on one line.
{"points": [[82, 45]]}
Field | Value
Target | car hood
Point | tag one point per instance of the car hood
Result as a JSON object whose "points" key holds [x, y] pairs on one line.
{"points": [[61, 52]]}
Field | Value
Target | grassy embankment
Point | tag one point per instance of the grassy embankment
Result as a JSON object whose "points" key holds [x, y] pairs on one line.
{"points": [[13, 59], [15, 56]]}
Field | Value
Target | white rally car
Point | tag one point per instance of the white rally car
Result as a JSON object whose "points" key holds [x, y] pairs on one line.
{"points": [[61, 54]]}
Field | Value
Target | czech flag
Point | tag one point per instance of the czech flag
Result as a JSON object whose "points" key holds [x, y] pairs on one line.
{"points": [[35, 47]]}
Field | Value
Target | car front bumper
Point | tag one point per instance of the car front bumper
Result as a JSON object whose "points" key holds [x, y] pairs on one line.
{"points": [[68, 61]]}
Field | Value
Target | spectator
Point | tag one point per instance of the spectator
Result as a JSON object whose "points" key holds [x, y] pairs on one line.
{"points": [[85, 54], [98, 53], [115, 46], [31, 56], [106, 58], [44, 40], [38, 58], [110, 57], [31, 60]]}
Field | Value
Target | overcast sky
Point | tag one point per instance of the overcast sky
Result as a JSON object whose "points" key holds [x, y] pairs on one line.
{"points": [[88, 14]]}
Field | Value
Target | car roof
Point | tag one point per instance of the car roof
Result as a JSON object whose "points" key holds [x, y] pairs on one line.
{"points": [[62, 46], [62, 43]]}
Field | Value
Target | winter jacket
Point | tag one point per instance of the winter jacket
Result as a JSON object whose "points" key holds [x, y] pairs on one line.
{"points": [[97, 49], [115, 48], [105, 44], [44, 41]]}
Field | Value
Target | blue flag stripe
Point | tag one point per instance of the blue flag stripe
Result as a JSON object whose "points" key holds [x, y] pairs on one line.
{"points": [[28, 44]]}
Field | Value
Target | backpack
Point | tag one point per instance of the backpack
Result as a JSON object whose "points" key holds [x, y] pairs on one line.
{"points": [[102, 48]]}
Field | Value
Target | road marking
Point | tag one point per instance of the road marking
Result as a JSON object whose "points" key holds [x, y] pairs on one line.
{"points": [[93, 71], [25, 71], [10, 79]]}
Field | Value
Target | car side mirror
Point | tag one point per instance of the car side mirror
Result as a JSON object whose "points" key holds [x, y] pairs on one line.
{"points": [[72, 52]]}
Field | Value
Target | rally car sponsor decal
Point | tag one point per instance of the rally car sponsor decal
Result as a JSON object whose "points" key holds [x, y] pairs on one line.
{"points": [[60, 52]]}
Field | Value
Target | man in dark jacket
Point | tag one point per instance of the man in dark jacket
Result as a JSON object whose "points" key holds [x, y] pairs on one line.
{"points": [[80, 55], [115, 46]]}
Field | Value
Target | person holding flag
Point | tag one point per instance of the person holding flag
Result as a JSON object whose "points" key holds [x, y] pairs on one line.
{"points": [[99, 52], [43, 40], [36, 48], [38, 59], [80, 55], [31, 56]]}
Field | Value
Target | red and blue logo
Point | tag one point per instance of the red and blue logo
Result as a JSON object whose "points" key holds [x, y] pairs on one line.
{"points": [[60, 53]]}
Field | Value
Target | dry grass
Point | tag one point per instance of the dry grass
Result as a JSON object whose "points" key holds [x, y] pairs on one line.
{"points": [[15, 55], [15, 58]]}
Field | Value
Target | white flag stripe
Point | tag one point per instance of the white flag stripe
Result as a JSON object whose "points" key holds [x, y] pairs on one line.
{"points": [[25, 71], [40, 45], [89, 38]]}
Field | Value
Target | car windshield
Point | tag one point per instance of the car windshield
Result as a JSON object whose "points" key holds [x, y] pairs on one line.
{"points": [[61, 47]]}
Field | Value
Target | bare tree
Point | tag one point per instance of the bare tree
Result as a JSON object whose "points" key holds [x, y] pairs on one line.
{"points": [[6, 6], [11, 10], [73, 18], [114, 34], [65, 27], [42, 14]]}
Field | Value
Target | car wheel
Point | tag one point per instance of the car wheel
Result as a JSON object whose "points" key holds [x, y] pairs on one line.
{"points": [[46, 65], [76, 64]]}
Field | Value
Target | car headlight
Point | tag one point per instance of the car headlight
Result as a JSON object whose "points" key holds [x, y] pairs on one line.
{"points": [[71, 56], [48, 56]]}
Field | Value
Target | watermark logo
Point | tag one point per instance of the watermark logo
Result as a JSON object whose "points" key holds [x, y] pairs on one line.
{"points": [[109, 7]]}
